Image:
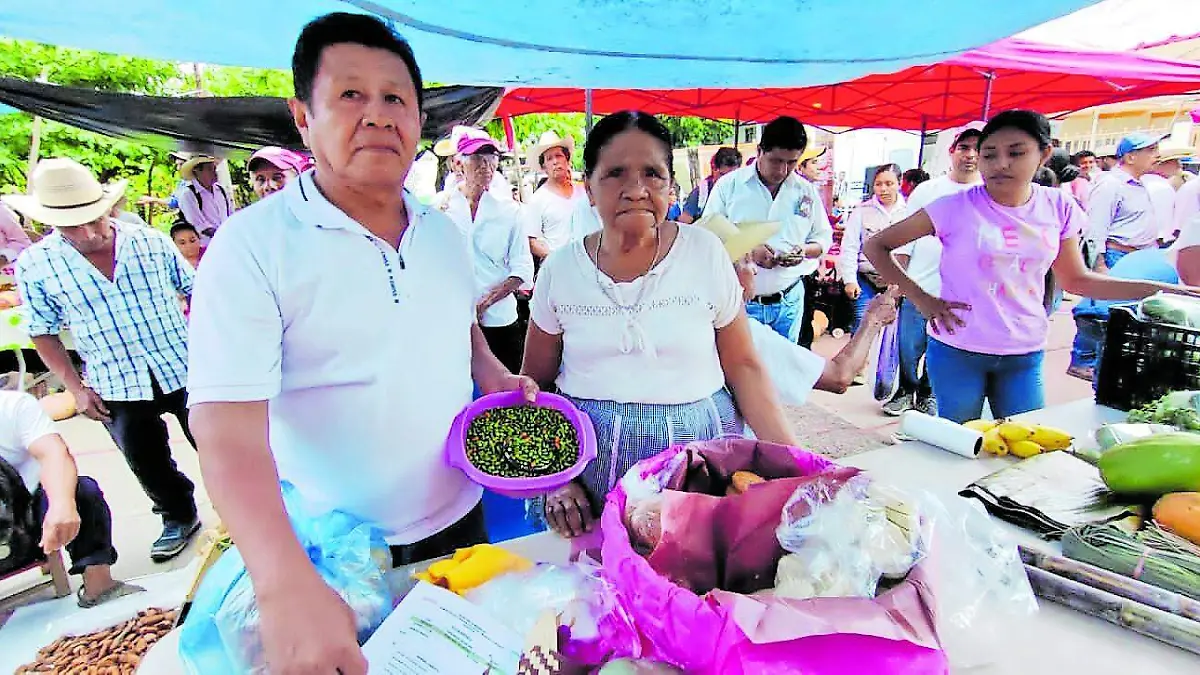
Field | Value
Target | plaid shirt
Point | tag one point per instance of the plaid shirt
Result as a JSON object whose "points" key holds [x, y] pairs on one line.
{"points": [[125, 329]]}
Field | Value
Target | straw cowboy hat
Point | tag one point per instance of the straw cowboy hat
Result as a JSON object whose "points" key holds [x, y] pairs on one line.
{"points": [[739, 239], [812, 152], [188, 170], [547, 140], [66, 194], [1166, 154]]}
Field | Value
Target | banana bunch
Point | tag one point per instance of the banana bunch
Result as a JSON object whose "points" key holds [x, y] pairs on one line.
{"points": [[1002, 437]]}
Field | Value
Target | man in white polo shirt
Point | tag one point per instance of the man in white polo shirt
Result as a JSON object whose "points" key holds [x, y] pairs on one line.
{"points": [[333, 341], [770, 189]]}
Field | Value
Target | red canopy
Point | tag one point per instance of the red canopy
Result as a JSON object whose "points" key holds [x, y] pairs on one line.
{"points": [[1008, 74]]}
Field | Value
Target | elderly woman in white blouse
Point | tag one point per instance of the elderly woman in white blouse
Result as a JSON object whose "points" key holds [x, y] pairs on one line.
{"points": [[642, 324]]}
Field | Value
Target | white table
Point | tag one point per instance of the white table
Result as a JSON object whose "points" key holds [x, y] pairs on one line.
{"points": [[1058, 640]]}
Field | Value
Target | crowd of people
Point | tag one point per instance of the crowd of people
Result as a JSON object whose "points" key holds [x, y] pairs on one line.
{"points": [[330, 332]]}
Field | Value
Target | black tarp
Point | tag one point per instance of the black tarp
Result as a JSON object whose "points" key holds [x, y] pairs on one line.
{"points": [[239, 123]]}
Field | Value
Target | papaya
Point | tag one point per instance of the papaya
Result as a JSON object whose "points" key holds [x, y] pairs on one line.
{"points": [[1154, 465], [1179, 512]]}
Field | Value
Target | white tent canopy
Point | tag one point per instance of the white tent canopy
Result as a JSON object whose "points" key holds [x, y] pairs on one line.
{"points": [[577, 43], [1114, 25]]}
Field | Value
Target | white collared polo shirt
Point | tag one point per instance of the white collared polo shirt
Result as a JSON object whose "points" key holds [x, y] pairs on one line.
{"points": [[363, 353], [741, 196]]}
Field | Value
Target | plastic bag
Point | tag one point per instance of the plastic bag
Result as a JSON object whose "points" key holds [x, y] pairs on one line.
{"points": [[221, 633], [885, 376], [843, 537], [981, 589], [730, 633], [580, 596]]}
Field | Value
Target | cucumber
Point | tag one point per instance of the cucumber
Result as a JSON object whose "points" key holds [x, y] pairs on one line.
{"points": [[1154, 465]]}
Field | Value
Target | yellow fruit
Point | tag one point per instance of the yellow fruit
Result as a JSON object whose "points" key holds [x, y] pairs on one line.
{"points": [[981, 426], [993, 443], [1024, 449], [1050, 438], [1015, 431]]}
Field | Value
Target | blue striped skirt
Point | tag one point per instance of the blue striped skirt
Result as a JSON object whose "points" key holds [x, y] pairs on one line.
{"points": [[627, 433]]}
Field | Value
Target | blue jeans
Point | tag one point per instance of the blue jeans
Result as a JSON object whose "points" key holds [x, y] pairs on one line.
{"points": [[1090, 319], [1111, 257], [783, 316], [961, 380], [864, 299], [913, 341]]}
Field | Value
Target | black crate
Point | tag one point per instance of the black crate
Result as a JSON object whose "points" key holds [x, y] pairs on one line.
{"points": [[1143, 361]]}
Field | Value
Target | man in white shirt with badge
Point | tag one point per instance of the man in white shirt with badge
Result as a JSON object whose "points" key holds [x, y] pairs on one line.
{"points": [[333, 341], [1120, 208], [497, 243], [770, 189], [923, 259]]}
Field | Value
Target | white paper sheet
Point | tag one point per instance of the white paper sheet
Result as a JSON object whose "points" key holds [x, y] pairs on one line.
{"points": [[435, 632]]}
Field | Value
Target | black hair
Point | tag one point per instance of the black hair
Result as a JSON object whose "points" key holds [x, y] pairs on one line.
{"points": [[1045, 176], [617, 123], [183, 227], [727, 157], [915, 176], [1032, 123], [1078, 157], [1060, 164], [565, 150], [891, 166], [345, 28], [784, 133]]}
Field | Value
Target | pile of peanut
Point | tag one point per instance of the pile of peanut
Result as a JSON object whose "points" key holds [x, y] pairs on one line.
{"points": [[113, 651]]}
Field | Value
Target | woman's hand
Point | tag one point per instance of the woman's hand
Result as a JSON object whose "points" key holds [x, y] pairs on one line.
{"points": [[510, 382], [940, 313], [568, 511], [853, 290]]}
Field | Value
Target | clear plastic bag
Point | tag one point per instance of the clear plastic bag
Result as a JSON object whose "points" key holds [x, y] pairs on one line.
{"points": [[577, 593], [981, 590], [842, 538], [221, 634]]}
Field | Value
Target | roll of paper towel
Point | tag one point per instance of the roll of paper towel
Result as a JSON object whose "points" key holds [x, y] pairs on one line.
{"points": [[941, 433]]}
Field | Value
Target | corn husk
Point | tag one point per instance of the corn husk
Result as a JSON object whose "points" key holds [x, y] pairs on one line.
{"points": [[1155, 623]]}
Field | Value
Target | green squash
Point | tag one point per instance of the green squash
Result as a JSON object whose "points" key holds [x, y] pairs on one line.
{"points": [[1154, 465]]}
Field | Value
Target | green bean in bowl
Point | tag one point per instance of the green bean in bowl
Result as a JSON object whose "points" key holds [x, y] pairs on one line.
{"points": [[522, 442]]}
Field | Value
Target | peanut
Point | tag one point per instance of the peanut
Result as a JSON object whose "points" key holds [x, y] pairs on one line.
{"points": [[113, 651]]}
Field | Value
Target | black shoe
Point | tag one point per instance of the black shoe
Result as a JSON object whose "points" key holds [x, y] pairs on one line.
{"points": [[926, 404], [899, 404], [174, 538]]}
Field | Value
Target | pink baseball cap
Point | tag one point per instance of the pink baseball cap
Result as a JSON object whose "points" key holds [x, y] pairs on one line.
{"points": [[281, 158], [475, 140]]}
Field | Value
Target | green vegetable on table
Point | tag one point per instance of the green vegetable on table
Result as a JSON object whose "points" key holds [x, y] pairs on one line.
{"points": [[1179, 409], [1173, 309], [1154, 465], [522, 442]]}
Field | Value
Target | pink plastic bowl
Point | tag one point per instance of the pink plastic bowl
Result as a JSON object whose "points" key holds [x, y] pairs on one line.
{"points": [[520, 488]]}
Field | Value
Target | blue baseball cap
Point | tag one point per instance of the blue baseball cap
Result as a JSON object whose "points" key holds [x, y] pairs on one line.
{"points": [[1138, 142]]}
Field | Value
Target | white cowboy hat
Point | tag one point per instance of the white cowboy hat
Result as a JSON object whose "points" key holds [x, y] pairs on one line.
{"points": [[548, 139], [66, 194], [189, 167], [739, 239], [1168, 153]]}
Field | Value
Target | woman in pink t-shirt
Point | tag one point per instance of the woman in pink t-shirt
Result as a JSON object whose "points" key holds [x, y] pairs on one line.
{"points": [[988, 329]]}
